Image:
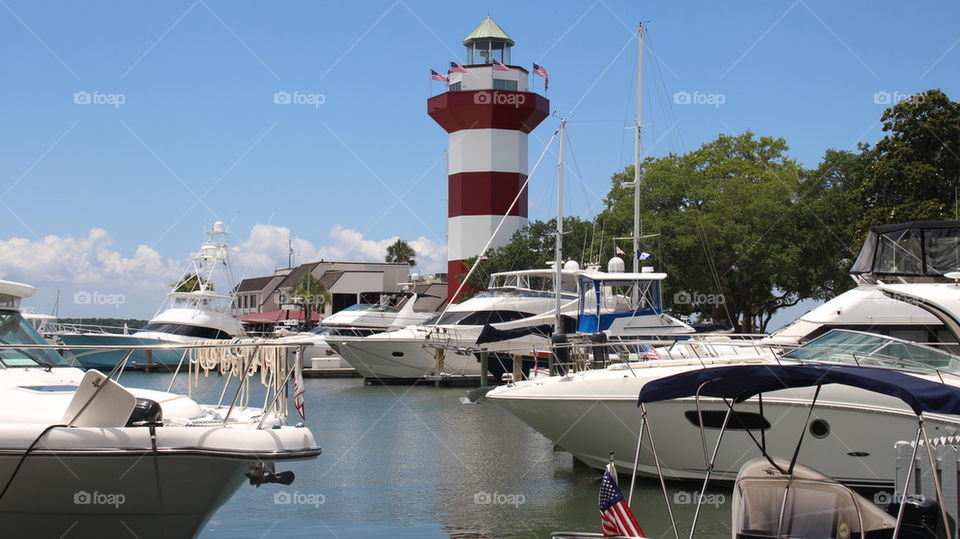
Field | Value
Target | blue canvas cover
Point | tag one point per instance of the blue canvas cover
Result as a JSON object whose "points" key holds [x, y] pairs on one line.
{"points": [[740, 382]]}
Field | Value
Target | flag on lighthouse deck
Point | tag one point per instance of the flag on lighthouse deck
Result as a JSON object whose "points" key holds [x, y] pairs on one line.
{"points": [[298, 389], [615, 515], [542, 71], [457, 68], [437, 76], [498, 66]]}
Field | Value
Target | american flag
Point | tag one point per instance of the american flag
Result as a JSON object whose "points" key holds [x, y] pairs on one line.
{"points": [[542, 71], [457, 68], [498, 66], [615, 515], [437, 76], [647, 352], [298, 389]]}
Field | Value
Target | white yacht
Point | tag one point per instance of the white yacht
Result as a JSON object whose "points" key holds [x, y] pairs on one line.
{"points": [[514, 316], [82, 455], [192, 312], [592, 412], [393, 310]]}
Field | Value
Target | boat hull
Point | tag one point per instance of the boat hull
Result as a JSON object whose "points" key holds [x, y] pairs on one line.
{"points": [[108, 359], [858, 448]]}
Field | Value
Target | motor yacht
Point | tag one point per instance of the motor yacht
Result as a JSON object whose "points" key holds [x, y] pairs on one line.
{"points": [[82, 455], [514, 316]]}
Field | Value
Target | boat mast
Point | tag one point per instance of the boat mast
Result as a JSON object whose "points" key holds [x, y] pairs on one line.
{"points": [[558, 244], [638, 147]]}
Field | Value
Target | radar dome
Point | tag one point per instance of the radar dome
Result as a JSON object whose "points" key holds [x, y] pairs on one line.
{"points": [[571, 265], [615, 265]]}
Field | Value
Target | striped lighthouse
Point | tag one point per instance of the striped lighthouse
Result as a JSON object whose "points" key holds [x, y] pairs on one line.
{"points": [[488, 112]]}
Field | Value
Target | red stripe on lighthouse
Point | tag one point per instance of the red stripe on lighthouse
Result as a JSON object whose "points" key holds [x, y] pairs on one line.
{"points": [[486, 193]]}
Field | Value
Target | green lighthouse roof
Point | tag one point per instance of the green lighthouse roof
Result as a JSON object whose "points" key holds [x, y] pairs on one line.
{"points": [[488, 29]]}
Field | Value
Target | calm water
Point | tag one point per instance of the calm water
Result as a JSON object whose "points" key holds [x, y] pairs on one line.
{"points": [[413, 462]]}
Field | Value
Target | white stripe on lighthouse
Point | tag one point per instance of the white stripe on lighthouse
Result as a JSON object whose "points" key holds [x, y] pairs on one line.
{"points": [[467, 234], [487, 150]]}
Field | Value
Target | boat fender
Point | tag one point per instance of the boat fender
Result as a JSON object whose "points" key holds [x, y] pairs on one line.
{"points": [[146, 412]]}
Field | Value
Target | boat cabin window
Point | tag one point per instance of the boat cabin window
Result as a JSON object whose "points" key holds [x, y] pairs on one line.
{"points": [[477, 318], [373, 308], [186, 330], [619, 296], [15, 330], [535, 282]]}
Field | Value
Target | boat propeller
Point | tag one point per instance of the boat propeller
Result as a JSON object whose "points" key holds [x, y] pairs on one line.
{"points": [[261, 473]]}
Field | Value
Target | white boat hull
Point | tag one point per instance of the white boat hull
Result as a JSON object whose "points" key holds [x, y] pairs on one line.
{"points": [[859, 449]]}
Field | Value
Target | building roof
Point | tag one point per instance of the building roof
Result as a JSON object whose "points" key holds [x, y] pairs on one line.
{"points": [[330, 278], [294, 277], [254, 284], [488, 29]]}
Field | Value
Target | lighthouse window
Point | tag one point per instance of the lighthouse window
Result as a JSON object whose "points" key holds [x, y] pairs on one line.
{"points": [[454, 87], [503, 84]]}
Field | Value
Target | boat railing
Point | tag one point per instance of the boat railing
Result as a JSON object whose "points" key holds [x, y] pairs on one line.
{"points": [[236, 360], [56, 328]]}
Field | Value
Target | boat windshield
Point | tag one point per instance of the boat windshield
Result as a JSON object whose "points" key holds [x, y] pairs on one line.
{"points": [[15, 330], [847, 346], [475, 318], [810, 509]]}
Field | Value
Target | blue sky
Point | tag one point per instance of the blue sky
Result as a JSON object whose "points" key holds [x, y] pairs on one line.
{"points": [[198, 136]]}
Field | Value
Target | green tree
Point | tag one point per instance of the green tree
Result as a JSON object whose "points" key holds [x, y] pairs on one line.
{"points": [[733, 221], [917, 171], [400, 252], [191, 283], [314, 296]]}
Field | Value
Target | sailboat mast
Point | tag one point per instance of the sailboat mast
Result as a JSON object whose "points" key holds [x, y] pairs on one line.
{"points": [[638, 150], [558, 244]]}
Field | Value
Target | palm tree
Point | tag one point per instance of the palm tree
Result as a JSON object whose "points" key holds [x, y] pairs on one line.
{"points": [[314, 296], [400, 252]]}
